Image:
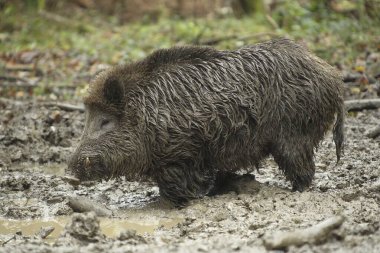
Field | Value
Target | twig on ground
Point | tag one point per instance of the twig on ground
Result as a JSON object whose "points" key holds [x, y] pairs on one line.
{"points": [[362, 104], [65, 106], [62, 106], [16, 81], [82, 204], [20, 67], [314, 234], [71, 180], [10, 239]]}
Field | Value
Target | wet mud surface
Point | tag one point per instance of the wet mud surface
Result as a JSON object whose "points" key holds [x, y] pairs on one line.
{"points": [[36, 216]]}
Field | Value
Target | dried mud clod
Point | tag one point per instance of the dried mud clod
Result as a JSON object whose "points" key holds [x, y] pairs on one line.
{"points": [[12, 183], [84, 227], [131, 237]]}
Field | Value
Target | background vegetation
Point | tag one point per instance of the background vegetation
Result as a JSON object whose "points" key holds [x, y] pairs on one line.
{"points": [[52, 48]]}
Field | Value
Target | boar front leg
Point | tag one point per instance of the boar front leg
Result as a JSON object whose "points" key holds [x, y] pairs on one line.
{"points": [[181, 183]]}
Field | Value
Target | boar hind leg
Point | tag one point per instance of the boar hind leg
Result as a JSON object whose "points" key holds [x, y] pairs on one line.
{"points": [[179, 184], [295, 159]]}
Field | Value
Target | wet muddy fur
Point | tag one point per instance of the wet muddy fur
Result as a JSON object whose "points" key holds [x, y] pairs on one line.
{"points": [[187, 116]]}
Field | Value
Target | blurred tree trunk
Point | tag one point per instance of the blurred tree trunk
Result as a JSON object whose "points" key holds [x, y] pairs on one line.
{"points": [[372, 8], [248, 7], [253, 6]]}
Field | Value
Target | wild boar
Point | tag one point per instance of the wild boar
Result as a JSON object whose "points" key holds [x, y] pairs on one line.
{"points": [[187, 116]]}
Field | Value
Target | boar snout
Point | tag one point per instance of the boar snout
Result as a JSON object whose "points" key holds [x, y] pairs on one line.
{"points": [[87, 167]]}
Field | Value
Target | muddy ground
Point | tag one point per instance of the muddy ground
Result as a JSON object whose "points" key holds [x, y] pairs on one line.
{"points": [[36, 139]]}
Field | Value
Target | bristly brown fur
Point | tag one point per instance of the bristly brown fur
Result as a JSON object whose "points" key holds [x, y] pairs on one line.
{"points": [[192, 114]]}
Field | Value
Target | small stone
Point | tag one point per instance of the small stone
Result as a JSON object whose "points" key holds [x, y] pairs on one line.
{"points": [[16, 156], [46, 231], [127, 234], [220, 216], [235, 247], [28, 56], [88, 183], [341, 185], [202, 248], [8, 116], [324, 188], [348, 197], [375, 187], [5, 161], [21, 136], [255, 226], [131, 236], [358, 181], [55, 200], [321, 166]]}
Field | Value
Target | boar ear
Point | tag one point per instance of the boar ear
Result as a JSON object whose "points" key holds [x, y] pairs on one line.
{"points": [[113, 91]]}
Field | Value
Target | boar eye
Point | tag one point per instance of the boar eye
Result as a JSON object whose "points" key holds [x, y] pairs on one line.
{"points": [[104, 123]]}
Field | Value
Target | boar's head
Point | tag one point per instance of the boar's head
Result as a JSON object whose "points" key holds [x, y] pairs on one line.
{"points": [[111, 144]]}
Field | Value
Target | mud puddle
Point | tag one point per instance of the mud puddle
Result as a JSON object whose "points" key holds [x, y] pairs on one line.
{"points": [[53, 169], [32, 227], [111, 227]]}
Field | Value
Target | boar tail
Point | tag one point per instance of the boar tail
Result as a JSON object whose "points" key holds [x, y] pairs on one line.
{"points": [[338, 132]]}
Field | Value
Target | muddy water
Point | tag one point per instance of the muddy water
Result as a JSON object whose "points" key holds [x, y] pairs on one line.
{"points": [[113, 227], [32, 227], [48, 169], [51, 169], [142, 221], [108, 226], [54, 169]]}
